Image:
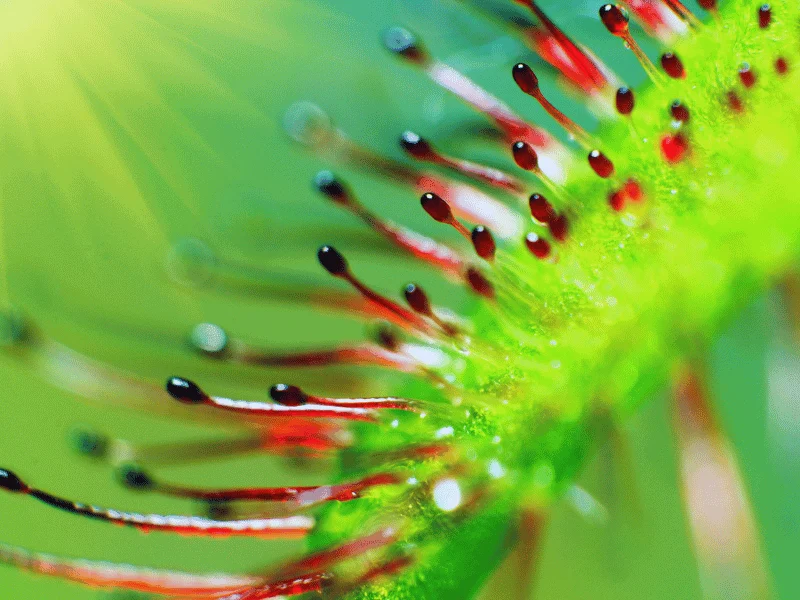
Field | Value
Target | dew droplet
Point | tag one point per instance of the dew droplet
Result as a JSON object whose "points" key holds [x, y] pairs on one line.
{"points": [[615, 19], [209, 338], [525, 156], [417, 299], [185, 391], [483, 241], [764, 16], [525, 78], [537, 246], [601, 164], [436, 207], [679, 111], [672, 65], [332, 261], [625, 101], [747, 75], [402, 42], [287, 395], [416, 146], [541, 209]]}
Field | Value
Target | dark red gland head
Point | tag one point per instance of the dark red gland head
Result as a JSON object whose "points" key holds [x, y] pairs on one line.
{"points": [[674, 147], [541, 209], [601, 164], [559, 227], [781, 66], [679, 111], [287, 395], [417, 299], [616, 200], [135, 478], [479, 284], [332, 261], [625, 101], [386, 337], [185, 391], [764, 16], [220, 510], [483, 241], [708, 4], [747, 75], [90, 443], [328, 184], [436, 207], [10, 482], [525, 156], [735, 102], [615, 19], [526, 79], [633, 190], [416, 146], [672, 65], [402, 42], [537, 246]]}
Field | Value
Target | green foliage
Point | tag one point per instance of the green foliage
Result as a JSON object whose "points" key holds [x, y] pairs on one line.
{"points": [[571, 345], [159, 157]]}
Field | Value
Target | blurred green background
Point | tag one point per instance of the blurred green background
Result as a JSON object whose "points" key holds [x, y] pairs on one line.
{"points": [[135, 133]]}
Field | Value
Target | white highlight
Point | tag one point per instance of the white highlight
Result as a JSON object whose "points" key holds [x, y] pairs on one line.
{"points": [[431, 357], [209, 338], [447, 495], [444, 432], [496, 470]]}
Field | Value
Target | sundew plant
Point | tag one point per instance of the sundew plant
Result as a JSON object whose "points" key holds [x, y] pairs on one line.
{"points": [[416, 300]]}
